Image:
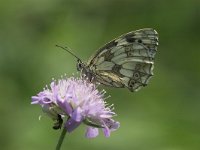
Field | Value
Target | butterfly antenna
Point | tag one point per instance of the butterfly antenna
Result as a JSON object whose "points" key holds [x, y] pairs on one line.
{"points": [[68, 50]]}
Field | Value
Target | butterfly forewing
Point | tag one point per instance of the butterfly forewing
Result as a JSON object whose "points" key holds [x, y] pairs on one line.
{"points": [[126, 61]]}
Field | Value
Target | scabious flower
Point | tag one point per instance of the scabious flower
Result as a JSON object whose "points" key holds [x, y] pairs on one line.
{"points": [[80, 102]]}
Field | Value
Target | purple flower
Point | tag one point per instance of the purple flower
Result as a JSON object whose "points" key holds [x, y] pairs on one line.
{"points": [[80, 102]]}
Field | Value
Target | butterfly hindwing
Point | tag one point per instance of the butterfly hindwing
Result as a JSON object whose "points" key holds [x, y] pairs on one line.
{"points": [[127, 61]]}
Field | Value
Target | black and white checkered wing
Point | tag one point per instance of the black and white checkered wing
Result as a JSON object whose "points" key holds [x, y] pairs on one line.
{"points": [[127, 61]]}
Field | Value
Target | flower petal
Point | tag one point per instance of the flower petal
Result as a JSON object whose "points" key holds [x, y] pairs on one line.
{"points": [[115, 126], [106, 131], [35, 100], [71, 125], [92, 132], [77, 114], [111, 124], [65, 106]]}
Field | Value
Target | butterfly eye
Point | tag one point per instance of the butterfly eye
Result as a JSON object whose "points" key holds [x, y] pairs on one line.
{"points": [[79, 65]]}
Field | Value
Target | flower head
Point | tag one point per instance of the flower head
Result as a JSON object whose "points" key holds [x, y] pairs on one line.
{"points": [[80, 102]]}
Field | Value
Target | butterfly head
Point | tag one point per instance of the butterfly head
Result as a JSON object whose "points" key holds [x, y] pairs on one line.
{"points": [[80, 65], [85, 71]]}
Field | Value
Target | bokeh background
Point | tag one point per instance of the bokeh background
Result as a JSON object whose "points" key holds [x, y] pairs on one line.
{"points": [[165, 115]]}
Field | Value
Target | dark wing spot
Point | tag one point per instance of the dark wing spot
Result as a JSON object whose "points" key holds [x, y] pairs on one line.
{"points": [[129, 38], [116, 68], [139, 41], [110, 45], [136, 75], [131, 83], [129, 54], [108, 55]]}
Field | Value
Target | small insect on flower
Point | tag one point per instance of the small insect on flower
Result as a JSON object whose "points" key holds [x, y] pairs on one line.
{"points": [[58, 123], [125, 62], [78, 101]]}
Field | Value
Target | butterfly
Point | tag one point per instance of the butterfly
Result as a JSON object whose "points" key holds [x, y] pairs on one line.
{"points": [[125, 62]]}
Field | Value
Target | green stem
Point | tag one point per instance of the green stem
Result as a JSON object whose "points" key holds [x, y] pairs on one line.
{"points": [[62, 136]]}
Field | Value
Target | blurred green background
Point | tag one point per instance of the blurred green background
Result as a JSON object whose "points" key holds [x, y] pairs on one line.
{"points": [[165, 115]]}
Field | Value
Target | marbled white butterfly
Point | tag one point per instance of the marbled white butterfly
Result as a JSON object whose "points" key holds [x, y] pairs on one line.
{"points": [[126, 61]]}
